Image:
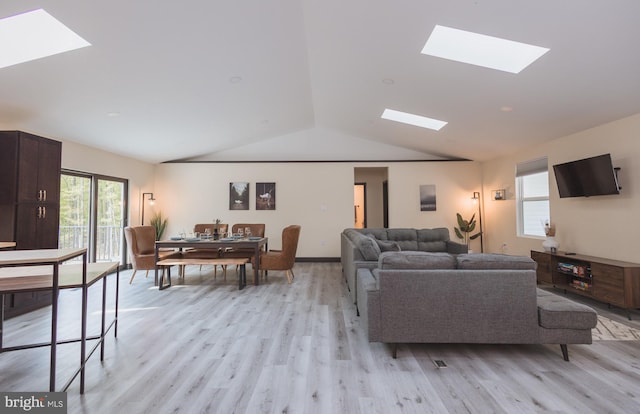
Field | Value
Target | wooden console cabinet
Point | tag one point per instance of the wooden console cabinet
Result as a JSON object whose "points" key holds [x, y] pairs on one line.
{"points": [[29, 202], [610, 281]]}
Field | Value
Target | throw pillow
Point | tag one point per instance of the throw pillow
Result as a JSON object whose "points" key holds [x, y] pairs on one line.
{"points": [[388, 246], [368, 248]]}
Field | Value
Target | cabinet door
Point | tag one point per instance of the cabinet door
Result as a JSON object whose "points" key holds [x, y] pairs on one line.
{"points": [[543, 272], [608, 283], [28, 168], [37, 226], [49, 157]]}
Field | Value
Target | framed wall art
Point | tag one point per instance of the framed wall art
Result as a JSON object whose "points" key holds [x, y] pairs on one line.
{"points": [[239, 196], [428, 197], [265, 196]]}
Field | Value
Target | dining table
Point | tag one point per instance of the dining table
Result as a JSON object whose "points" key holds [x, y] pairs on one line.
{"points": [[258, 244]]}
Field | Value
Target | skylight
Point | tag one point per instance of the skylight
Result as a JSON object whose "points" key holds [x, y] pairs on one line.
{"points": [[34, 35], [411, 119], [481, 50]]}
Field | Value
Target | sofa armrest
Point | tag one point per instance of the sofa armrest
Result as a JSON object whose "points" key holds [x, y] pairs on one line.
{"points": [[456, 248], [369, 304]]}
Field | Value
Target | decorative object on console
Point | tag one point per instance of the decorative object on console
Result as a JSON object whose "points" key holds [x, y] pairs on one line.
{"points": [[550, 244]]}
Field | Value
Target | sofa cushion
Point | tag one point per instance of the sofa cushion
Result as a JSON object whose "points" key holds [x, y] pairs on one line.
{"points": [[368, 247], [416, 260], [378, 233], [557, 312], [407, 239], [491, 261], [433, 240]]}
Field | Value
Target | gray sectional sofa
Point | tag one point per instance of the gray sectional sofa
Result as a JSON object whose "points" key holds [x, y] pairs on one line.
{"points": [[360, 248], [419, 297]]}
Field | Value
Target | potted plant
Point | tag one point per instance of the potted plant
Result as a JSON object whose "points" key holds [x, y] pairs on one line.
{"points": [[465, 228], [159, 223]]}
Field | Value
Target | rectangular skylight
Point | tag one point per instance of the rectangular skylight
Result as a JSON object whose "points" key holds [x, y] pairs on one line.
{"points": [[34, 35], [481, 50], [411, 119]]}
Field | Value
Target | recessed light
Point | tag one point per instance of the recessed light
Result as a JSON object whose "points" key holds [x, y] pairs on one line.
{"points": [[388, 81], [411, 119], [481, 50], [113, 114], [34, 35], [506, 108], [235, 79]]}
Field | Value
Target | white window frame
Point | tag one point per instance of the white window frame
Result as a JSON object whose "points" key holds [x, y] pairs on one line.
{"points": [[528, 168]]}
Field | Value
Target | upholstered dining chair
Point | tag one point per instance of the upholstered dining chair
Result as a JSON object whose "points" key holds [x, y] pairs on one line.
{"points": [[141, 241], [283, 259]]}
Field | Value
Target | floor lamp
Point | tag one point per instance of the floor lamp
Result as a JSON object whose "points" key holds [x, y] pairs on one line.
{"points": [[151, 201], [476, 200]]}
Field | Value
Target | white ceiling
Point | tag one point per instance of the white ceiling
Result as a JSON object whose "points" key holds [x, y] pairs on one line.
{"points": [[312, 77]]}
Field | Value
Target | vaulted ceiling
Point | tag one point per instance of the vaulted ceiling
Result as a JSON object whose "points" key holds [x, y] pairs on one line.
{"points": [[308, 80]]}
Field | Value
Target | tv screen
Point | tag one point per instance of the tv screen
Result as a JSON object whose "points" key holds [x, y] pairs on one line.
{"points": [[587, 177]]}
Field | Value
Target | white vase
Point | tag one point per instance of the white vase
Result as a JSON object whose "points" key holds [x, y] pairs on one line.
{"points": [[550, 244]]}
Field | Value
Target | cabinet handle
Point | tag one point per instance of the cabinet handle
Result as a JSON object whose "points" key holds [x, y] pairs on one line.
{"points": [[44, 212], [39, 195], [45, 195], [39, 212]]}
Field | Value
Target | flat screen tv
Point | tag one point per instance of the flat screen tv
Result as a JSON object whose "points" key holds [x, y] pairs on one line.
{"points": [[587, 177]]}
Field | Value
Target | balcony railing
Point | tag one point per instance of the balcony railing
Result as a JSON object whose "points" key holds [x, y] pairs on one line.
{"points": [[109, 241]]}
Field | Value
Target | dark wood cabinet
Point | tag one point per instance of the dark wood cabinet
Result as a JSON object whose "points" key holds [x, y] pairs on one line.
{"points": [[610, 281], [29, 201]]}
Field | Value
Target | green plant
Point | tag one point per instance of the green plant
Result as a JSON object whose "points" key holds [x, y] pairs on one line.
{"points": [[465, 228], [160, 224]]}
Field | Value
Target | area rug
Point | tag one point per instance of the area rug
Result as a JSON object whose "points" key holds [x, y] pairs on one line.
{"points": [[610, 330]]}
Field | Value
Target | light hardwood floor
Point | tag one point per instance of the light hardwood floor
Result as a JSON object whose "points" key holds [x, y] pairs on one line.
{"points": [[202, 346]]}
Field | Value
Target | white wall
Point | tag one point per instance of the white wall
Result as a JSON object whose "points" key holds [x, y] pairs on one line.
{"points": [[140, 174], [318, 196], [601, 226]]}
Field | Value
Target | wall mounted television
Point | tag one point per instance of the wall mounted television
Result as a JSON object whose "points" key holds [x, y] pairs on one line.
{"points": [[592, 176]]}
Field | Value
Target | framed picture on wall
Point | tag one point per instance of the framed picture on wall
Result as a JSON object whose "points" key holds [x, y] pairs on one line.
{"points": [[428, 197], [265, 196], [239, 196]]}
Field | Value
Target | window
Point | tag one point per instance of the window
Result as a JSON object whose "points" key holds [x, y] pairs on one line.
{"points": [[532, 196]]}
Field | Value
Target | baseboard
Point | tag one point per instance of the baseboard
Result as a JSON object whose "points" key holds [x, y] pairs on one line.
{"points": [[318, 259]]}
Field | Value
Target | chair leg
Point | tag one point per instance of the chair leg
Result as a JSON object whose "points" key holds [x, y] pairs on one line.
{"points": [[289, 277], [146, 274], [132, 276], [565, 352]]}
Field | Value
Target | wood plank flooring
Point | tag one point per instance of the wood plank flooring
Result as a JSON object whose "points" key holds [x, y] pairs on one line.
{"points": [[202, 346]]}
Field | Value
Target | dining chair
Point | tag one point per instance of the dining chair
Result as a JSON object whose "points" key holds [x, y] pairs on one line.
{"points": [[141, 241], [283, 259]]}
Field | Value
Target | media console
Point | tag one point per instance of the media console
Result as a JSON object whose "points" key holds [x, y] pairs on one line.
{"points": [[610, 281]]}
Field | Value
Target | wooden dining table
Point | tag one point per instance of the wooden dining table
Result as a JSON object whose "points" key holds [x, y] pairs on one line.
{"points": [[255, 243]]}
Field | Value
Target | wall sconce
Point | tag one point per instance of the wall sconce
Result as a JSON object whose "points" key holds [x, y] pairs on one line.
{"points": [[476, 200], [151, 201]]}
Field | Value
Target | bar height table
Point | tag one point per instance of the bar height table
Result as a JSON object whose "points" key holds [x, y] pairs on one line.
{"points": [[34, 270]]}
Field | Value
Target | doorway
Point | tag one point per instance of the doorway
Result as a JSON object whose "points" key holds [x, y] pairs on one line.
{"points": [[93, 215], [370, 200], [360, 205]]}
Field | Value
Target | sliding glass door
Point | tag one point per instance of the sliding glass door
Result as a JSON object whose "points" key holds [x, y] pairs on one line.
{"points": [[93, 215]]}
